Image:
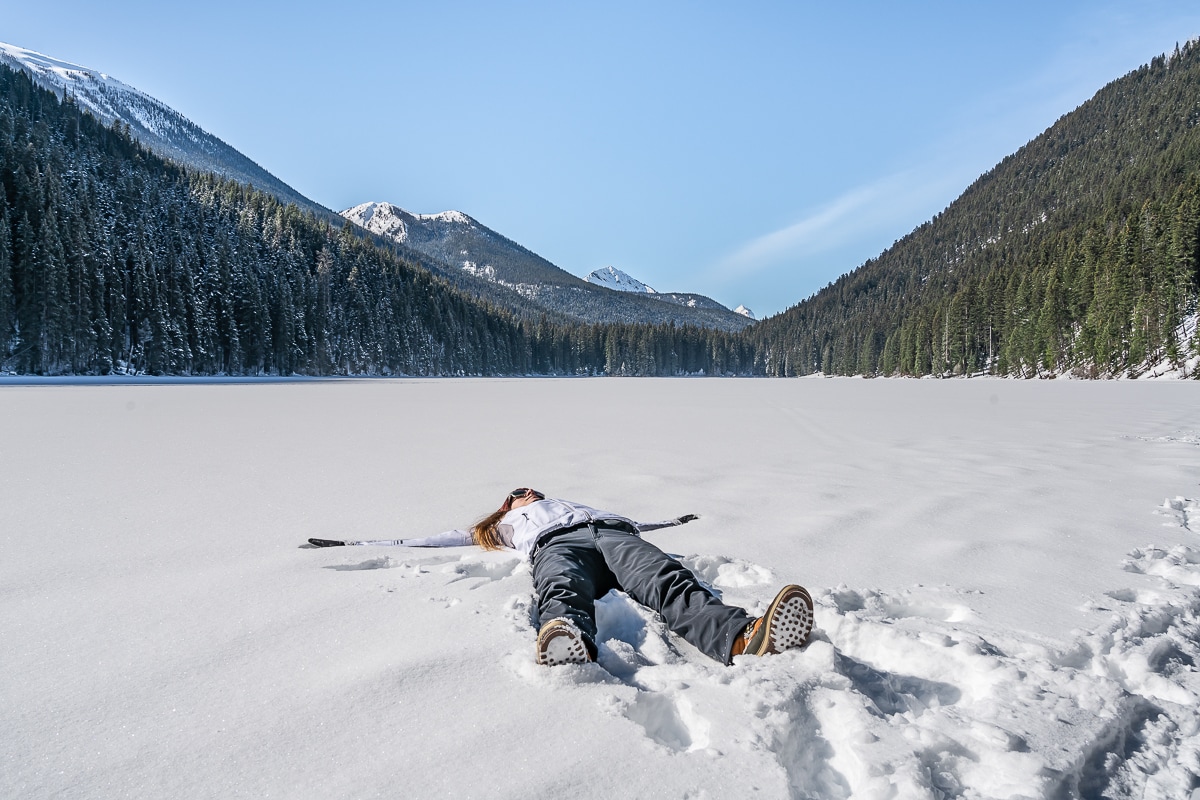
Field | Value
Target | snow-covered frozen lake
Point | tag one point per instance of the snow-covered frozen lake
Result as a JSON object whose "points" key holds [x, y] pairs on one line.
{"points": [[1007, 578]]}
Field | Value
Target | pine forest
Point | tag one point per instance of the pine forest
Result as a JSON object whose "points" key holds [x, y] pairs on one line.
{"points": [[1079, 254]]}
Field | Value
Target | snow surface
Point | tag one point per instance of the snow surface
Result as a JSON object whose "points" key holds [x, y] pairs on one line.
{"points": [[1007, 577], [745, 312]]}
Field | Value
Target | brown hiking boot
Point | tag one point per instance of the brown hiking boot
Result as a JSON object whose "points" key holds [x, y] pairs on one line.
{"points": [[561, 642], [787, 624]]}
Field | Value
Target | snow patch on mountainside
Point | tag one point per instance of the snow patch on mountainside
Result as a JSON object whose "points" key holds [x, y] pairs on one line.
{"points": [[613, 278], [104, 96], [487, 271]]}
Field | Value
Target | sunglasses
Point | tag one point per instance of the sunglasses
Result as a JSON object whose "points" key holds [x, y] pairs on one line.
{"points": [[518, 493]]}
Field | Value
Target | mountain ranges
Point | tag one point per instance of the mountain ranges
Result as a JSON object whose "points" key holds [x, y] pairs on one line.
{"points": [[450, 244], [1078, 254]]}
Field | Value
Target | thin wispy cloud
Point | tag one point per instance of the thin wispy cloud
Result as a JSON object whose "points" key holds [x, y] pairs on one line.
{"points": [[839, 233], [863, 214]]}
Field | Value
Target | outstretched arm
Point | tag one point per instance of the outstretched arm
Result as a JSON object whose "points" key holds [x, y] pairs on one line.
{"points": [[454, 538], [667, 523]]}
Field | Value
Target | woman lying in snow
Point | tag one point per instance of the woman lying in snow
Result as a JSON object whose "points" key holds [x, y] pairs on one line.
{"points": [[580, 553]]}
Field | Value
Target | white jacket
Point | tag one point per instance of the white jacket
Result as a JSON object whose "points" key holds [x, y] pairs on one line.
{"points": [[522, 528]]}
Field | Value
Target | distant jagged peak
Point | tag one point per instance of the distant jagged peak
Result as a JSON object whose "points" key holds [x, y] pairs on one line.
{"points": [[365, 212], [447, 216], [384, 219], [745, 312], [613, 278], [392, 220], [362, 211]]}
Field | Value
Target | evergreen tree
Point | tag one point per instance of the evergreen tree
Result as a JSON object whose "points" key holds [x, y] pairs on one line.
{"points": [[7, 306]]}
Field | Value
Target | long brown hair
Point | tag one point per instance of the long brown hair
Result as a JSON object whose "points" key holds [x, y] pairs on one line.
{"points": [[484, 533]]}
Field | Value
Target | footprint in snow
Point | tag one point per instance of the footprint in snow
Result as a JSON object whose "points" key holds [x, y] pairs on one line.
{"points": [[893, 693], [488, 571], [1179, 565], [720, 572], [669, 720], [417, 565], [383, 562], [1182, 511], [486, 568], [922, 603]]}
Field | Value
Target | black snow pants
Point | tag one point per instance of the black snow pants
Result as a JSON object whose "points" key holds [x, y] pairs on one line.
{"points": [[575, 567]]}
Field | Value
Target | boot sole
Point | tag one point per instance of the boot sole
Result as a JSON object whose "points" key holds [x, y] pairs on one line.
{"points": [[788, 621], [561, 643]]}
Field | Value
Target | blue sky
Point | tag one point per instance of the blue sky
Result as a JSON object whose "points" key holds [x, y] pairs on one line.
{"points": [[750, 153]]}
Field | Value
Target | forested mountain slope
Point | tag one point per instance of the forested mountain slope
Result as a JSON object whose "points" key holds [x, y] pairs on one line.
{"points": [[1077, 253], [173, 136], [157, 126], [113, 259], [479, 260]]}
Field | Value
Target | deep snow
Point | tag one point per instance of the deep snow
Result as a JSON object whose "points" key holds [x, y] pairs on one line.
{"points": [[1007, 577]]}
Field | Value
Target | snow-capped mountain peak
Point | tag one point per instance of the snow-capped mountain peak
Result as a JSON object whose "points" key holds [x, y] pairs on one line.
{"points": [[613, 278], [745, 312], [392, 221], [384, 219], [153, 123], [465, 245], [446, 216]]}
